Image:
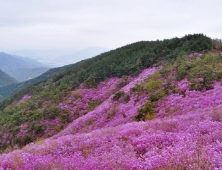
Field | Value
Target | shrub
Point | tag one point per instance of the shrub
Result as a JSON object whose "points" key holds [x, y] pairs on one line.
{"points": [[27, 139], [126, 98], [65, 117], [181, 73], [59, 128], [176, 90], [166, 70], [137, 88], [39, 129], [90, 82], [157, 96], [124, 81], [114, 110], [153, 83], [52, 112], [117, 95], [76, 94], [206, 73], [146, 112], [18, 141], [93, 104], [89, 122]]}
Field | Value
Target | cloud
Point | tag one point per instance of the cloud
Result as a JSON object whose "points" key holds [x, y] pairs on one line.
{"points": [[78, 24]]}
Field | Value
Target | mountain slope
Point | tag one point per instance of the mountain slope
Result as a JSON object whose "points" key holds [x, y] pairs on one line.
{"points": [[148, 105], [40, 110], [127, 60], [47, 107], [182, 132], [20, 68], [6, 79]]}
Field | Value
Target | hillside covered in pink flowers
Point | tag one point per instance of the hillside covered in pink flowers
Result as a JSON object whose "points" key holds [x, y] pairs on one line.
{"points": [[167, 116]]}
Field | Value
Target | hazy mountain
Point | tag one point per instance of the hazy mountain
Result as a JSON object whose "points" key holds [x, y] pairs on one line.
{"points": [[57, 57], [41, 54], [5, 79], [30, 61], [10, 89], [21, 68], [81, 55]]}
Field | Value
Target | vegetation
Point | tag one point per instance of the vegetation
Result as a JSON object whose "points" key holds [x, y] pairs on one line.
{"points": [[199, 69], [181, 99], [48, 93], [146, 112]]}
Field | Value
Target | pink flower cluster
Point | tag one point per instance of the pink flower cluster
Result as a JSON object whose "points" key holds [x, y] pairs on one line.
{"points": [[185, 135], [193, 100], [189, 141], [109, 113], [78, 104], [25, 97], [195, 54]]}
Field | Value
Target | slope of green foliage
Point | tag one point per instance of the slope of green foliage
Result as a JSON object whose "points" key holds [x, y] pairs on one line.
{"points": [[46, 95], [201, 70]]}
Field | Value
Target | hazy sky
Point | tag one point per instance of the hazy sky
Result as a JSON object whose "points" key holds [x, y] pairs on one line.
{"points": [[77, 24]]}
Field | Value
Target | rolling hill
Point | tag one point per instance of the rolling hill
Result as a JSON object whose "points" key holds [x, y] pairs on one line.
{"points": [[147, 105]]}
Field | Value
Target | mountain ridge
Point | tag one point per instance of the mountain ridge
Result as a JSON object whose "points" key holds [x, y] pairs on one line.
{"points": [[89, 139]]}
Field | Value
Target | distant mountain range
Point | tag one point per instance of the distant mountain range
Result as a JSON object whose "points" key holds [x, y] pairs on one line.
{"points": [[8, 90], [55, 58], [21, 68], [24, 68], [5, 79], [81, 55]]}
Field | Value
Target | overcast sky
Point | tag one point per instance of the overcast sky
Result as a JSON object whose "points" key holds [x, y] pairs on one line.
{"points": [[77, 24]]}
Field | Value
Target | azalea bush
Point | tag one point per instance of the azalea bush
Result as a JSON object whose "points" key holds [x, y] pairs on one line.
{"points": [[177, 108]]}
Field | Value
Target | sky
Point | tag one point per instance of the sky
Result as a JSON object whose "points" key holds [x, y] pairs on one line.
{"points": [[78, 24]]}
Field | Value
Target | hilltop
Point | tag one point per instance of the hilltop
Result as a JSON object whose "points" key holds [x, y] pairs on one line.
{"points": [[148, 105]]}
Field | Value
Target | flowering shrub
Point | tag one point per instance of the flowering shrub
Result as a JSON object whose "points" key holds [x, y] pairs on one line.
{"points": [[183, 130], [25, 97], [103, 115], [188, 141]]}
